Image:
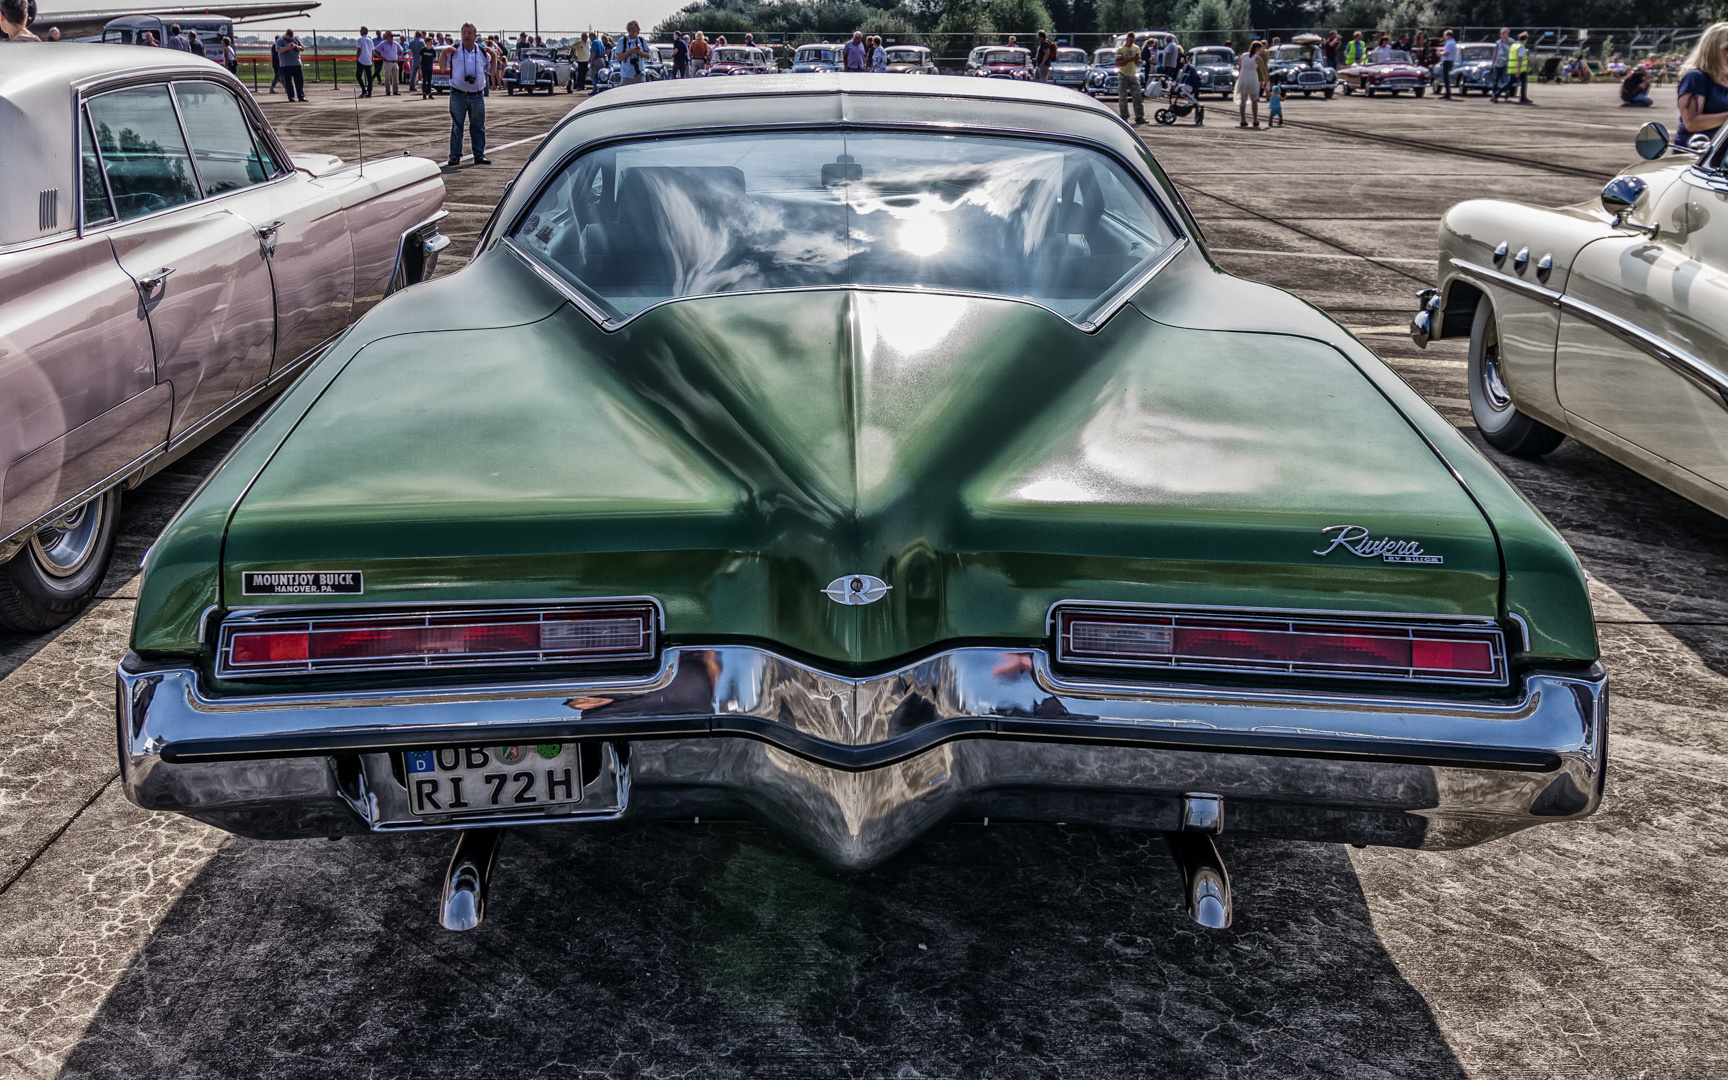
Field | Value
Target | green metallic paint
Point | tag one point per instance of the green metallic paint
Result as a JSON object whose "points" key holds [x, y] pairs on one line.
{"points": [[477, 438], [1543, 582], [732, 455]]}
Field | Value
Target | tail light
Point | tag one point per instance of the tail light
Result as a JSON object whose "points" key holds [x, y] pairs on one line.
{"points": [[1356, 647], [329, 641]]}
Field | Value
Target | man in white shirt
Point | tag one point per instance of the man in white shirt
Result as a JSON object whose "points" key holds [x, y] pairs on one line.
{"points": [[363, 63], [580, 53], [1448, 60], [390, 54], [469, 70]]}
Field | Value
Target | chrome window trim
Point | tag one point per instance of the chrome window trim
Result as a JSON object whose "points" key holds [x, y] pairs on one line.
{"points": [[1106, 311], [1681, 361], [609, 325], [86, 127], [84, 98]]}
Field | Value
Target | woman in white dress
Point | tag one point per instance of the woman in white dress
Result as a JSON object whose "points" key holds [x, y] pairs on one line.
{"points": [[1248, 84]]}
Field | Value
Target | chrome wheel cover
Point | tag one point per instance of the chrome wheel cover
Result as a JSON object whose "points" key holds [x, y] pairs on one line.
{"points": [[62, 548], [1493, 384]]}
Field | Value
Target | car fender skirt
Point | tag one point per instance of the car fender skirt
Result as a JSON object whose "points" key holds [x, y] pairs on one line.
{"points": [[856, 767]]}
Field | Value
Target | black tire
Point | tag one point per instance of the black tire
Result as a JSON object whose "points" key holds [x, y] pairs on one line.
{"points": [[1497, 418], [1419, 91], [1329, 94], [1164, 116], [55, 576]]}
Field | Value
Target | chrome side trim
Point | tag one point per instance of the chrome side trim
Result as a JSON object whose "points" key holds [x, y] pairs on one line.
{"points": [[1684, 363], [1706, 377], [1517, 285]]}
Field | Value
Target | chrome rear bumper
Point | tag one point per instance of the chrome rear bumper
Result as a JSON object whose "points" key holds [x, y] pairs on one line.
{"points": [[856, 768]]}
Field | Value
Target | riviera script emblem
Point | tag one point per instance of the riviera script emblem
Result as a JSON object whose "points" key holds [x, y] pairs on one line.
{"points": [[856, 589], [1359, 542]]}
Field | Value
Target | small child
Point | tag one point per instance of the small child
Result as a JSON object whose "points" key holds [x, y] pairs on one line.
{"points": [[1275, 108]]}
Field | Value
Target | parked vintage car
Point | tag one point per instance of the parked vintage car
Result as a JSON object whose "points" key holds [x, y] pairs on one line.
{"points": [[211, 29], [823, 56], [541, 66], [1103, 79], [1473, 71], [1070, 68], [154, 293], [1607, 322], [1393, 75], [739, 60], [1216, 66], [910, 60], [1004, 62], [856, 460], [1300, 67], [658, 66]]}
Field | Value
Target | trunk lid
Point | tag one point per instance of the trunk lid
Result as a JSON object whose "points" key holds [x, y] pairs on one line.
{"points": [[731, 456]]}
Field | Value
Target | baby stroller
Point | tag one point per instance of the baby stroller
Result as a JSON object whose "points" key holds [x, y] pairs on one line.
{"points": [[1181, 101]]}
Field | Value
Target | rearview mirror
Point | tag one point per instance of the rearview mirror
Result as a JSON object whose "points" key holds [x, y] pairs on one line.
{"points": [[1652, 141]]}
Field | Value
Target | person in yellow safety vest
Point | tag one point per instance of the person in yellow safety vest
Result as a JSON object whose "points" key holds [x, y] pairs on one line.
{"points": [[1356, 52], [1518, 68]]}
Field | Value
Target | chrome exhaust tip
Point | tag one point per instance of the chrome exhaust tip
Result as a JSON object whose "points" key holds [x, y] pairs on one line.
{"points": [[1208, 885], [463, 904]]}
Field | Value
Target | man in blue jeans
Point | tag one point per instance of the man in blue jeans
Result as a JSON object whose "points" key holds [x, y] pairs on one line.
{"points": [[468, 77]]}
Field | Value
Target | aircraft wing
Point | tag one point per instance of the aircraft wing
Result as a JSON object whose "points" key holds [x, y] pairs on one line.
{"points": [[89, 22]]}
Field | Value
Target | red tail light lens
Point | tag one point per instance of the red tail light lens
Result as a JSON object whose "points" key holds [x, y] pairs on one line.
{"points": [[255, 645], [1270, 643]]}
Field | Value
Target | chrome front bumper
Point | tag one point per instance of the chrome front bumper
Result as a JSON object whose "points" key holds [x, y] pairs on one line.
{"points": [[856, 768]]}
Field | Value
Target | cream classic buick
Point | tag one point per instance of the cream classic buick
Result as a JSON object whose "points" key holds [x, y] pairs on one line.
{"points": [[165, 265], [1607, 323]]}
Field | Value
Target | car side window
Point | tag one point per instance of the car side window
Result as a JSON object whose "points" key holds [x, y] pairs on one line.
{"points": [[96, 208], [222, 142], [143, 152]]}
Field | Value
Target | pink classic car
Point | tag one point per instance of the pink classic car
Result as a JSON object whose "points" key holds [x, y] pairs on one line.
{"points": [[165, 265], [1388, 71]]}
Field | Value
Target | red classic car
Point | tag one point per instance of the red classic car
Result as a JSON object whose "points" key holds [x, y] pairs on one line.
{"points": [[1389, 70], [1004, 63], [739, 60]]}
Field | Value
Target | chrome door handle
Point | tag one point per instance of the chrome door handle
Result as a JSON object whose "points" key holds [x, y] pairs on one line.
{"points": [[267, 236], [150, 282]]}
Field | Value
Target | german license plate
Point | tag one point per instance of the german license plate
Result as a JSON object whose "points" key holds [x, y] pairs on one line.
{"points": [[487, 779]]}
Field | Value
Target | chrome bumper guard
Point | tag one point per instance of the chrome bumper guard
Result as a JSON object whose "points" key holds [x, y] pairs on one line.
{"points": [[417, 253], [856, 768]]}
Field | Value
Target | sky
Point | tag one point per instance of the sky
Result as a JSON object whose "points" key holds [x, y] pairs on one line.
{"points": [[491, 16]]}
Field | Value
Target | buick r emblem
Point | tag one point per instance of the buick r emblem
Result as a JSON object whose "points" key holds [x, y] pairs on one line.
{"points": [[855, 589], [1357, 541]]}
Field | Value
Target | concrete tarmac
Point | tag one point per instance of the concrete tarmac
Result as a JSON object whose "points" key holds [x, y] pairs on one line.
{"points": [[134, 944]]}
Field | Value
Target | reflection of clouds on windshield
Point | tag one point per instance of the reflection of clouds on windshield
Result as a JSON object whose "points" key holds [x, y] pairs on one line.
{"points": [[1025, 186]]}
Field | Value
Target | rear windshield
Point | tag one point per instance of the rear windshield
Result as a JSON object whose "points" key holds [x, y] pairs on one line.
{"points": [[904, 56], [634, 225]]}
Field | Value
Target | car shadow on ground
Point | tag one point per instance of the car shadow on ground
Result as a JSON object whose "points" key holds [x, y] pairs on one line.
{"points": [[716, 950]]}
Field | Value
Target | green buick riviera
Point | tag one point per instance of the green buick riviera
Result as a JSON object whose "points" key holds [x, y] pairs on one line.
{"points": [[855, 455]]}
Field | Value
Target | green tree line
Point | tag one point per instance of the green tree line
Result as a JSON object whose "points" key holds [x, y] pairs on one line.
{"points": [[905, 19]]}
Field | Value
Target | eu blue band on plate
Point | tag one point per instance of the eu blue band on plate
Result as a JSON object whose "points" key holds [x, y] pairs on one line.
{"points": [[420, 761]]}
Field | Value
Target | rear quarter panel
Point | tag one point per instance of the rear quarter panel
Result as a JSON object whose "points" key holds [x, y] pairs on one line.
{"points": [[382, 201]]}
